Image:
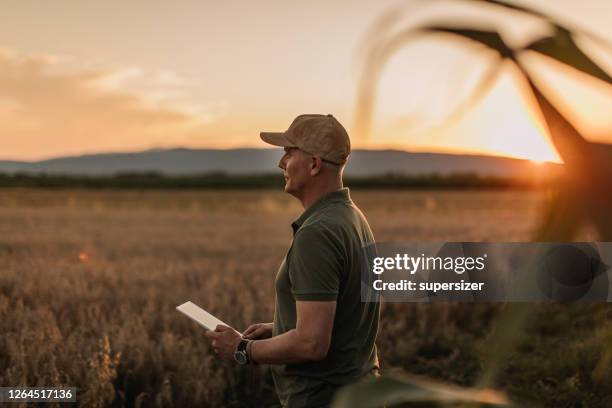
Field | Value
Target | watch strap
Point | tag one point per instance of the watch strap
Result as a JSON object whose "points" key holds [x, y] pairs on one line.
{"points": [[249, 350], [242, 348], [242, 345]]}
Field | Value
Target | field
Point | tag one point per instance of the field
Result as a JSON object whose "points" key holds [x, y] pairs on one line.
{"points": [[89, 281]]}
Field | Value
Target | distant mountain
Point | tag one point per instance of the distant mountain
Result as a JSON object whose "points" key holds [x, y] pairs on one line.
{"points": [[253, 161]]}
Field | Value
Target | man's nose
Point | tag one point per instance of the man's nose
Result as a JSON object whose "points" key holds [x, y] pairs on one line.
{"points": [[281, 163]]}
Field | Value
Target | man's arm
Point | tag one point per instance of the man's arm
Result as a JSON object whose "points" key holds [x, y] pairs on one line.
{"points": [[309, 341]]}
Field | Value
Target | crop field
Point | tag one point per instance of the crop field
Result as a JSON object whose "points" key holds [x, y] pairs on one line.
{"points": [[89, 282]]}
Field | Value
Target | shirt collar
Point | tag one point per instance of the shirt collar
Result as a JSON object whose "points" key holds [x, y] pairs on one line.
{"points": [[341, 195]]}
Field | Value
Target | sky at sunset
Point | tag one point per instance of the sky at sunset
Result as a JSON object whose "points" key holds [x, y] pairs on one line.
{"points": [[87, 77]]}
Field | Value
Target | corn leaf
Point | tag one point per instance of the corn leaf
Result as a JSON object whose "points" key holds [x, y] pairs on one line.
{"points": [[597, 38], [484, 85], [389, 390], [577, 153], [561, 218], [491, 39], [378, 59], [562, 47], [515, 7], [588, 166]]}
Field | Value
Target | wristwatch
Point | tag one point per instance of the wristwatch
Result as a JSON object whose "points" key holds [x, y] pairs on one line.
{"points": [[240, 355]]}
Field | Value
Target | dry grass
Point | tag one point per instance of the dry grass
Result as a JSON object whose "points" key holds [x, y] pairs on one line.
{"points": [[90, 280]]}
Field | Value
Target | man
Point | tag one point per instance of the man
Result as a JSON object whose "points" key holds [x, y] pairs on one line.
{"points": [[323, 335]]}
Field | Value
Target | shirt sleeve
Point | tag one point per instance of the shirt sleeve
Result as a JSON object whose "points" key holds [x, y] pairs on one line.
{"points": [[315, 264]]}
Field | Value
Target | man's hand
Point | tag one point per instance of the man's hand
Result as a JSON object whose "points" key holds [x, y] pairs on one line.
{"points": [[224, 340], [258, 331]]}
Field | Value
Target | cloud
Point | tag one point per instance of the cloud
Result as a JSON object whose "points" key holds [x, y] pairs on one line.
{"points": [[54, 105]]}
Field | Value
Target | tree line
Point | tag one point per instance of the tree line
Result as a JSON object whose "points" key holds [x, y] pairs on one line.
{"points": [[218, 180]]}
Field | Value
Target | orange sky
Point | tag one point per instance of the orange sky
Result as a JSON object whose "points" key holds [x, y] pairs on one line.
{"points": [[108, 76]]}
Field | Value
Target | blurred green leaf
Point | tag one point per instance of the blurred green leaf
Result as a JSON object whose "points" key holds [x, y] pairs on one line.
{"points": [[397, 389], [515, 7], [507, 331], [484, 85], [562, 48], [603, 370], [588, 173], [491, 39], [560, 219], [571, 145], [535, 13], [380, 54]]}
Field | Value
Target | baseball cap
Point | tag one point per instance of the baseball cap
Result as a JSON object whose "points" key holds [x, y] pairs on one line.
{"points": [[321, 135]]}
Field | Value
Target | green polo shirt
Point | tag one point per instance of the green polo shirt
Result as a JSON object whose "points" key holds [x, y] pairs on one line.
{"points": [[324, 263]]}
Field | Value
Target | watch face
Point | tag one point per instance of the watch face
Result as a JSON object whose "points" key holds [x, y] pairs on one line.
{"points": [[240, 357]]}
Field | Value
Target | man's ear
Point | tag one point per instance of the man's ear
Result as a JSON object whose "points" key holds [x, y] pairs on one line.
{"points": [[315, 165]]}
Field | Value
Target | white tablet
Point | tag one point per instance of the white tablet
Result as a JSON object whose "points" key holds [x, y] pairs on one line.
{"points": [[201, 316]]}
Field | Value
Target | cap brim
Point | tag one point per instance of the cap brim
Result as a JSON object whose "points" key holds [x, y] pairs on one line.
{"points": [[276, 139]]}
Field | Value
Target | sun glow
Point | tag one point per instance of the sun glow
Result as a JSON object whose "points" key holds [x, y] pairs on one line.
{"points": [[509, 123], [506, 122]]}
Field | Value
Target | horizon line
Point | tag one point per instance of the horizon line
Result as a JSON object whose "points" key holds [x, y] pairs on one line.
{"points": [[246, 147]]}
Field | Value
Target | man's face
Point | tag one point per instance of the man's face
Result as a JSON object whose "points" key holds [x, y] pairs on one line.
{"points": [[296, 168]]}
